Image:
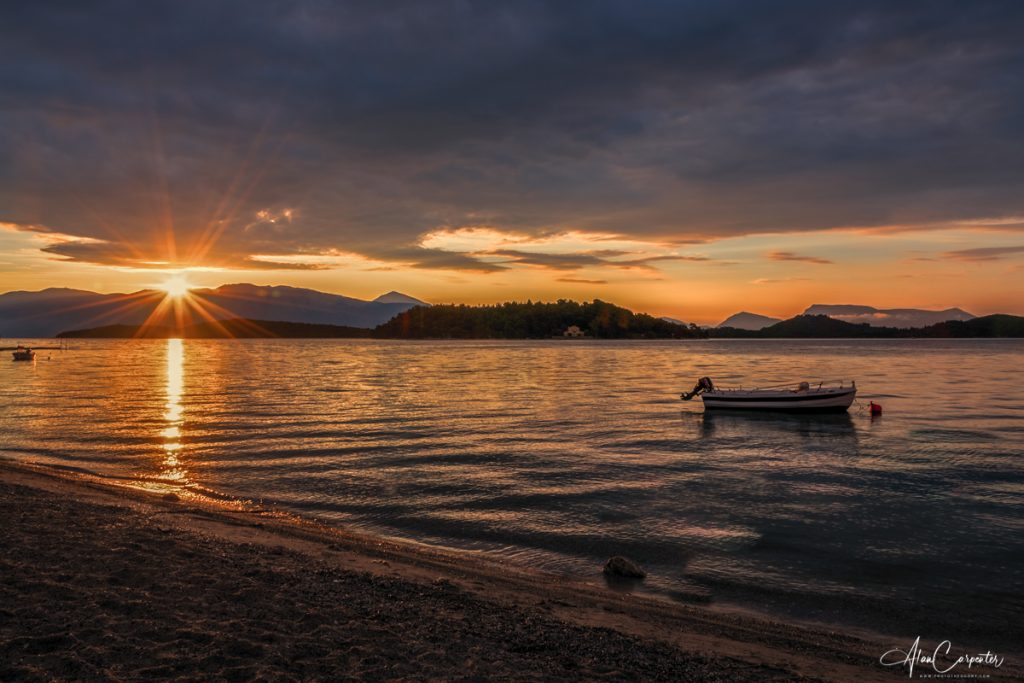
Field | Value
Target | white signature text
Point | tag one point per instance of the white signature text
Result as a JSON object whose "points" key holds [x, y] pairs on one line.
{"points": [[939, 659]]}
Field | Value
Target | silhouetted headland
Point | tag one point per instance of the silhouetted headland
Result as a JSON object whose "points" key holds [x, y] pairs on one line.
{"points": [[595, 320]]}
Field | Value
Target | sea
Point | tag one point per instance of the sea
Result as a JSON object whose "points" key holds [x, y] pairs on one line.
{"points": [[553, 456]]}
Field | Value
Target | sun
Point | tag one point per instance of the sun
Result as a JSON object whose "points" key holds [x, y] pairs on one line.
{"points": [[176, 286]]}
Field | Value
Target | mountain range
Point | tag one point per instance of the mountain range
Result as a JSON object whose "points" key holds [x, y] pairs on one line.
{"points": [[543, 321], [824, 327], [748, 321], [50, 311], [887, 317], [855, 314]]}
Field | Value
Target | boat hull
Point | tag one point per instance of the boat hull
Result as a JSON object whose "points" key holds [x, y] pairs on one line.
{"points": [[815, 401]]}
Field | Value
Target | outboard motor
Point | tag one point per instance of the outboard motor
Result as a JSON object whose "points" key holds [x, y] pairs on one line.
{"points": [[703, 384]]}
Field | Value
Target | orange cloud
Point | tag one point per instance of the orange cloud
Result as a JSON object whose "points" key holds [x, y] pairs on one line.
{"points": [[983, 254], [790, 256], [581, 281]]}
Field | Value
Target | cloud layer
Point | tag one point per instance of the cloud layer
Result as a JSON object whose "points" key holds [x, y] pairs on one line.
{"points": [[207, 133]]}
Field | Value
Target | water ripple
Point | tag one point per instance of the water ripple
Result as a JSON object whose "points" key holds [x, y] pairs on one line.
{"points": [[561, 455]]}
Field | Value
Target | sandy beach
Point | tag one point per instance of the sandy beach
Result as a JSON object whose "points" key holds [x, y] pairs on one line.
{"points": [[108, 583]]}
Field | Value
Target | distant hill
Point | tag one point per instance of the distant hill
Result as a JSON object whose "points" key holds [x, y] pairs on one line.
{"points": [[817, 326], [851, 314], [824, 327], [674, 321], [887, 317], [998, 325], [394, 297], [45, 313], [748, 321]]}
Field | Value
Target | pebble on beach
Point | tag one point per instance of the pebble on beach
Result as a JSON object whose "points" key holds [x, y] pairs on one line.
{"points": [[623, 566]]}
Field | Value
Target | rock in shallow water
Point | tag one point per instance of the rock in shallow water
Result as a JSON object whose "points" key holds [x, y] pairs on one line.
{"points": [[623, 566]]}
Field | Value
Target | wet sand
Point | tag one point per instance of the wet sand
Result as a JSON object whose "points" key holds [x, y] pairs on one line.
{"points": [[107, 583]]}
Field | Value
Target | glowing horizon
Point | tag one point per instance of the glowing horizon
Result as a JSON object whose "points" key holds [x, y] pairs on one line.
{"points": [[777, 275]]}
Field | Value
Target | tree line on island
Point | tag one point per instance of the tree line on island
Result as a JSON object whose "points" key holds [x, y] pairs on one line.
{"points": [[537, 320], [597, 319]]}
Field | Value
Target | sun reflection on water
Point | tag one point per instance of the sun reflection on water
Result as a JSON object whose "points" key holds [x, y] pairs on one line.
{"points": [[172, 469]]}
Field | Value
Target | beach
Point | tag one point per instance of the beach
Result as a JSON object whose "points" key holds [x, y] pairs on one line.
{"points": [[108, 583]]}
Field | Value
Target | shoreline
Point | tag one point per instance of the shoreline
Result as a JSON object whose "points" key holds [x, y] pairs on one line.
{"points": [[665, 640], [577, 340]]}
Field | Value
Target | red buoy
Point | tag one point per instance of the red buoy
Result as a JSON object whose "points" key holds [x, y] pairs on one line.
{"points": [[875, 409]]}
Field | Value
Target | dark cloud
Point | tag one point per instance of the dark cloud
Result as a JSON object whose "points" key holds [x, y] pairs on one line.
{"points": [[419, 257], [776, 281], [269, 264], [649, 262], [574, 261], [97, 252], [120, 254], [581, 281], [790, 256], [167, 127], [983, 253], [552, 261]]}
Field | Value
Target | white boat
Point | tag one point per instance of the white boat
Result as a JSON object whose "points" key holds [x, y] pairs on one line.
{"points": [[824, 397], [24, 353]]}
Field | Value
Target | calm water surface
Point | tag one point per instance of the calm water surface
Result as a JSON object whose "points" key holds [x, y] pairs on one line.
{"points": [[560, 454]]}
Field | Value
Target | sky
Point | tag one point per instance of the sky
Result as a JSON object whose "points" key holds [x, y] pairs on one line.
{"points": [[687, 159]]}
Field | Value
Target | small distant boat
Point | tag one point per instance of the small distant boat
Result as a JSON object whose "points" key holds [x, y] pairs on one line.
{"points": [[24, 353], [836, 397]]}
